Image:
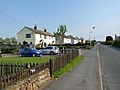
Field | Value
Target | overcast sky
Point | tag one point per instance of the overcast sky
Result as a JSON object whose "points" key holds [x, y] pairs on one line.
{"points": [[78, 15]]}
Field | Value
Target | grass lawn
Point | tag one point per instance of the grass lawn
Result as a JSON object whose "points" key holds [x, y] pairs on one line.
{"points": [[26, 59]]}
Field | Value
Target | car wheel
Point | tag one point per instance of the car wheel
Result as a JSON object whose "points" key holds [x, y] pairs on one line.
{"points": [[40, 55], [20, 55], [33, 55], [52, 53]]}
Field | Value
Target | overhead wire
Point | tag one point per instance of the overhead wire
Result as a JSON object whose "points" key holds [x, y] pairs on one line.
{"points": [[12, 18], [7, 21]]}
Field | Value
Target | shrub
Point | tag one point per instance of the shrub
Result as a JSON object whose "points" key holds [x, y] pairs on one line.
{"points": [[7, 50], [116, 43]]}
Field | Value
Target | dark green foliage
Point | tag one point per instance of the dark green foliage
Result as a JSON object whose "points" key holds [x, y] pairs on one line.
{"points": [[1, 39], [109, 38], [108, 43], [116, 43], [7, 41], [8, 50]]}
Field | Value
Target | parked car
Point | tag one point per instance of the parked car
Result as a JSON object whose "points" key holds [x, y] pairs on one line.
{"points": [[29, 52], [50, 50]]}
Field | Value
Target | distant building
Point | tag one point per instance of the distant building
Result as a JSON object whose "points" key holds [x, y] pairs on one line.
{"points": [[39, 38], [117, 37], [33, 37], [63, 39], [67, 39]]}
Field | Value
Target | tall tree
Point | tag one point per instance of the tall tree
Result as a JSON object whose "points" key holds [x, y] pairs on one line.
{"points": [[60, 32]]}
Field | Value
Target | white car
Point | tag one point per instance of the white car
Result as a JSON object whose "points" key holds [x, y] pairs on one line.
{"points": [[50, 50]]}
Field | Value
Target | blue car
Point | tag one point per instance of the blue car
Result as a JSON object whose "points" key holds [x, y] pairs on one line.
{"points": [[29, 52]]}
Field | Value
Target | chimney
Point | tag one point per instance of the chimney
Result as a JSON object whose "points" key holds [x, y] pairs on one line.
{"points": [[35, 27], [45, 30]]}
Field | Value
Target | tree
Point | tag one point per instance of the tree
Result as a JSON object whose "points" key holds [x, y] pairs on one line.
{"points": [[109, 38], [1, 40], [13, 40], [7, 41], [116, 42], [60, 33]]}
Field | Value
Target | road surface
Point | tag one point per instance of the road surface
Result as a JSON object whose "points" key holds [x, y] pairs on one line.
{"points": [[110, 61], [100, 70]]}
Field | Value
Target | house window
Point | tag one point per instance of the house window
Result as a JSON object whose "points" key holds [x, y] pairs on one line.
{"points": [[40, 36], [44, 36], [28, 35]]}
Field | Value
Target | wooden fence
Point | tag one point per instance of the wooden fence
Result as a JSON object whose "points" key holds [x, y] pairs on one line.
{"points": [[62, 60], [12, 73]]}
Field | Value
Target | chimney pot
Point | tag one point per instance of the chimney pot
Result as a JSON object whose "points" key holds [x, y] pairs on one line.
{"points": [[45, 30], [35, 27]]}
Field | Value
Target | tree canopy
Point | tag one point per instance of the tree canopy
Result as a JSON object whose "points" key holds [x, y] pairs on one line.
{"points": [[109, 38], [1, 39], [60, 32], [11, 40]]}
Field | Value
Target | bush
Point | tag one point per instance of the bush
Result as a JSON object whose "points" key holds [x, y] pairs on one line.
{"points": [[116, 43], [108, 43], [8, 50]]}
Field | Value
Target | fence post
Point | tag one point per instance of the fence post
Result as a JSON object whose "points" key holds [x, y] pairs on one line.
{"points": [[79, 50], [0, 52], [15, 68], [8, 69], [0, 83], [1, 69], [51, 67]]}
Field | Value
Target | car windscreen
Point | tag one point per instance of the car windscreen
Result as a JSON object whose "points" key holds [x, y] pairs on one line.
{"points": [[32, 48]]}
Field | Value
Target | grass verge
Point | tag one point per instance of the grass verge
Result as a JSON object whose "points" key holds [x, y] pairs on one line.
{"points": [[13, 60], [68, 67]]}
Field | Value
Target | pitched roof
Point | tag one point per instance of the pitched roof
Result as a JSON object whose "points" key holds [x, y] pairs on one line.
{"points": [[38, 31], [77, 38], [71, 37]]}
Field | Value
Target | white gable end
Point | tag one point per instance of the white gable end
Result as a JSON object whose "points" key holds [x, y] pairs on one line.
{"points": [[24, 34]]}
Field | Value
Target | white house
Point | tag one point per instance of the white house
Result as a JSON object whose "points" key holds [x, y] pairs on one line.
{"points": [[34, 37], [67, 40], [63, 40]]}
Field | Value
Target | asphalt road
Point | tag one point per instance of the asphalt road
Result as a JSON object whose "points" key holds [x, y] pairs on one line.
{"points": [[84, 76], [100, 70], [110, 61]]}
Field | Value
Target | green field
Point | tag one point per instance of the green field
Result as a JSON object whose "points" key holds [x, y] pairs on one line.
{"points": [[26, 59]]}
